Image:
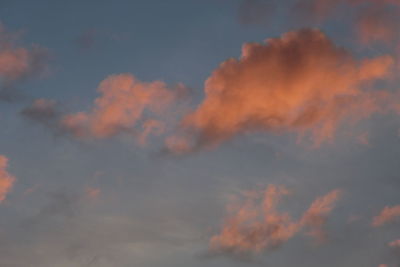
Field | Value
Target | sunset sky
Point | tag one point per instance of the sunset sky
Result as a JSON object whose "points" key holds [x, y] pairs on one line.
{"points": [[200, 133]]}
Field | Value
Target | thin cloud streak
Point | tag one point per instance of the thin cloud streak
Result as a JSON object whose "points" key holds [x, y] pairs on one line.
{"points": [[387, 215]]}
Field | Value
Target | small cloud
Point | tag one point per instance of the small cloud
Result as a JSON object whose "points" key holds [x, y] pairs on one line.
{"points": [[6, 179], [92, 193], [395, 244], [18, 63], [387, 215], [363, 139], [125, 105]]}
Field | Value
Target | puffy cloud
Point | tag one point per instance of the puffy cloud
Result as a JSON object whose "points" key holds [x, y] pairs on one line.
{"points": [[6, 179], [301, 83], [255, 227], [17, 62], [125, 105], [388, 214]]}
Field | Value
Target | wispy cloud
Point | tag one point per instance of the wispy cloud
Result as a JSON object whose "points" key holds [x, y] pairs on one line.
{"points": [[388, 214], [255, 225]]}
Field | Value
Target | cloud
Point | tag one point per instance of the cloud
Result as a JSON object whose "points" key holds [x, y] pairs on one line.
{"points": [[126, 105], [6, 179], [92, 193], [298, 83], [319, 10], [378, 22], [255, 225], [315, 10], [375, 20], [395, 244], [17, 63], [316, 215], [42, 110], [388, 214]]}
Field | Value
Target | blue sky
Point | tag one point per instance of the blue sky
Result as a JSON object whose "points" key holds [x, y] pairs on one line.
{"points": [[95, 200]]}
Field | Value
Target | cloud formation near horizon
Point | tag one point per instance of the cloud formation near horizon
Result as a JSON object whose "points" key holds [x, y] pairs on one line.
{"points": [[255, 225], [298, 83]]}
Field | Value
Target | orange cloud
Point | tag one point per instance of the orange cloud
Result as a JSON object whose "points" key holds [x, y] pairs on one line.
{"points": [[301, 83], [125, 105], [254, 227], [316, 215], [6, 179], [387, 215], [17, 62], [395, 244]]}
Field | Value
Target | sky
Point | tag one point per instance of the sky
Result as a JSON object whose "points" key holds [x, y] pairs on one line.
{"points": [[207, 133]]}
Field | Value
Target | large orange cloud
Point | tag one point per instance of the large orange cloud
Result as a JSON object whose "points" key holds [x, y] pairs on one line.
{"points": [[125, 105], [254, 227], [301, 82], [6, 179]]}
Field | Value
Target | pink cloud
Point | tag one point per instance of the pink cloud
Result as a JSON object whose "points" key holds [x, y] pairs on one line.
{"points": [[255, 224], [6, 179]]}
